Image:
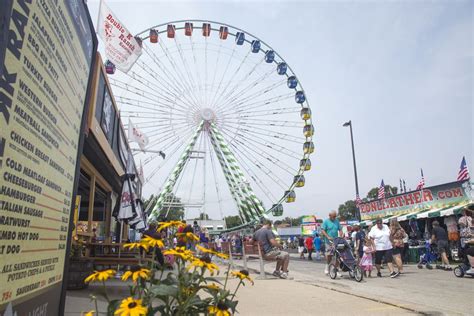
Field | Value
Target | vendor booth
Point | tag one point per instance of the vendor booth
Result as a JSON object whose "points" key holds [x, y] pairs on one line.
{"points": [[416, 210]]}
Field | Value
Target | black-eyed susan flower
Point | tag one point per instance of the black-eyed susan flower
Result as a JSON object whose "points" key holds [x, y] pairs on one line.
{"points": [[89, 313], [136, 272], [242, 275], [137, 245], [131, 307], [100, 275], [152, 242], [219, 310], [212, 252], [204, 262], [188, 237], [213, 287], [180, 252], [164, 225]]}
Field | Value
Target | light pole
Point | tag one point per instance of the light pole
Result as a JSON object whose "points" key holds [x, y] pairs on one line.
{"points": [[355, 167]]}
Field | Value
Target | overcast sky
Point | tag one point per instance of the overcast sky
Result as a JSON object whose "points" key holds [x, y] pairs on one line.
{"points": [[402, 71]]}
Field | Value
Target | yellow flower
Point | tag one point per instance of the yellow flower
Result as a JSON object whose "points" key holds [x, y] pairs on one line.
{"points": [[131, 307], [164, 225], [100, 275], [180, 252], [89, 313], [188, 237], [136, 245], [220, 310], [212, 252], [141, 273], [242, 275], [213, 286], [204, 263], [152, 242]]}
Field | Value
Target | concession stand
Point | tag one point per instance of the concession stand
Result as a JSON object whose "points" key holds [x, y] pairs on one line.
{"points": [[416, 210], [103, 162]]}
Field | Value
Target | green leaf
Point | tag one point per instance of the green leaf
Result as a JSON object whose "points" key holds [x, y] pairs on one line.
{"points": [[112, 307], [164, 290]]}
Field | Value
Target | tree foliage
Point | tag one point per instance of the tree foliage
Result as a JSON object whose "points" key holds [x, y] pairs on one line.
{"points": [[232, 221], [389, 191], [348, 210]]}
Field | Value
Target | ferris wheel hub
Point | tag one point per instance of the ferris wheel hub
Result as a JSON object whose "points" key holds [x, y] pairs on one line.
{"points": [[208, 115]]}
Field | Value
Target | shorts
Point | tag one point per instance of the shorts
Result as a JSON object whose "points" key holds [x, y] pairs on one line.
{"points": [[329, 249], [276, 254], [383, 254], [300, 249], [397, 251], [443, 246], [469, 251]]}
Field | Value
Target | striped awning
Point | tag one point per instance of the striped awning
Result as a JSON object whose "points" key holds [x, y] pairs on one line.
{"points": [[455, 210]]}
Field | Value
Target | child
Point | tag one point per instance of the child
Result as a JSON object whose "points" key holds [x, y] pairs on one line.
{"points": [[366, 262]]}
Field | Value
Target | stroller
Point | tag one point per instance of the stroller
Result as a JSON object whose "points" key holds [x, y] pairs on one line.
{"points": [[429, 256], [343, 259]]}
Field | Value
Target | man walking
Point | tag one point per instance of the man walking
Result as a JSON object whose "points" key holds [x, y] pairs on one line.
{"points": [[439, 236], [272, 249], [330, 229]]}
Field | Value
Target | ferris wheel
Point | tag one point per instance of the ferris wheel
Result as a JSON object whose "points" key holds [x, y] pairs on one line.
{"points": [[226, 112]]}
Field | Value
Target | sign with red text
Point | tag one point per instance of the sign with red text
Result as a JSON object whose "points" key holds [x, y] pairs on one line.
{"points": [[46, 51], [439, 196], [121, 48]]}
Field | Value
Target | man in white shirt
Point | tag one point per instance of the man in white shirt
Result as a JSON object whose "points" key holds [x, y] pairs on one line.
{"points": [[380, 234]]}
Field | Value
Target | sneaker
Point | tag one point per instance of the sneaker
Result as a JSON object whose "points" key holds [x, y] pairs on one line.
{"points": [[284, 275], [339, 275], [379, 274], [394, 274], [276, 273], [326, 270], [470, 271]]}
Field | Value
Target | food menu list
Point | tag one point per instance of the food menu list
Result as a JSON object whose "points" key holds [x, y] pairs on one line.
{"points": [[46, 66]]}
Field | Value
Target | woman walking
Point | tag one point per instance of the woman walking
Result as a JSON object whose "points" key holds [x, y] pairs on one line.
{"points": [[397, 234]]}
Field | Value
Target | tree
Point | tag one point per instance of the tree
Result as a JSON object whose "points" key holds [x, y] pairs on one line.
{"points": [[202, 216], [171, 205], [348, 210], [232, 221], [389, 191]]}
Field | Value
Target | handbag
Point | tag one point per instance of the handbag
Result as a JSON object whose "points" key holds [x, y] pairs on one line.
{"points": [[305, 250]]}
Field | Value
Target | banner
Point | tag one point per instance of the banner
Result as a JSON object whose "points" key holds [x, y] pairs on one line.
{"points": [[121, 48], [135, 135], [47, 49], [439, 196]]}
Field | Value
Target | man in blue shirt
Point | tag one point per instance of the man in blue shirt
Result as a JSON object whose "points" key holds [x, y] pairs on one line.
{"points": [[330, 229]]}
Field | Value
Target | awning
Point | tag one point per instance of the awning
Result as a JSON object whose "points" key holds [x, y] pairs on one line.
{"points": [[455, 210], [429, 213], [410, 215]]}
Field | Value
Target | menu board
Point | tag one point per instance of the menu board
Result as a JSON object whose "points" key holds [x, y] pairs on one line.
{"points": [[47, 51]]}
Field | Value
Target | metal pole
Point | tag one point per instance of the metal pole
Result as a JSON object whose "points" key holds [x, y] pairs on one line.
{"points": [[355, 167]]}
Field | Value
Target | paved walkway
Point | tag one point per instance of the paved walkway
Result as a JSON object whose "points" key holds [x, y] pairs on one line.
{"points": [[432, 292], [267, 297]]}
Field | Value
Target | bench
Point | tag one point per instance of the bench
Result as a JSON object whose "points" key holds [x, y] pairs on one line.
{"points": [[252, 251]]}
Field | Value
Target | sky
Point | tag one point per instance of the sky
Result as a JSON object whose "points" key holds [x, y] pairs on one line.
{"points": [[401, 71]]}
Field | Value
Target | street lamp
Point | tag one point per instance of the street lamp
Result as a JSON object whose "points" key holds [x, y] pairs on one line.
{"points": [[355, 168]]}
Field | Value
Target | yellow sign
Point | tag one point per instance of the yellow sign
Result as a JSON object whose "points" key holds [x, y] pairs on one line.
{"points": [[45, 72]]}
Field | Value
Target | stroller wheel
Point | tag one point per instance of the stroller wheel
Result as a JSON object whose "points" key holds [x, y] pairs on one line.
{"points": [[458, 271], [358, 275], [420, 266], [332, 271], [429, 266]]}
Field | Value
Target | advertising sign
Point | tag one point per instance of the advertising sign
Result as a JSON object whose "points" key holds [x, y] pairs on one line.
{"points": [[47, 49], [439, 196], [121, 48]]}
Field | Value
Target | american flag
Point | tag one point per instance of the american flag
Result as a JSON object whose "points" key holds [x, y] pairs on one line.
{"points": [[358, 201], [382, 191], [421, 184], [463, 173]]}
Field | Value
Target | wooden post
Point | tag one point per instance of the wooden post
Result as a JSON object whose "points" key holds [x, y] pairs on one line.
{"points": [[90, 211]]}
